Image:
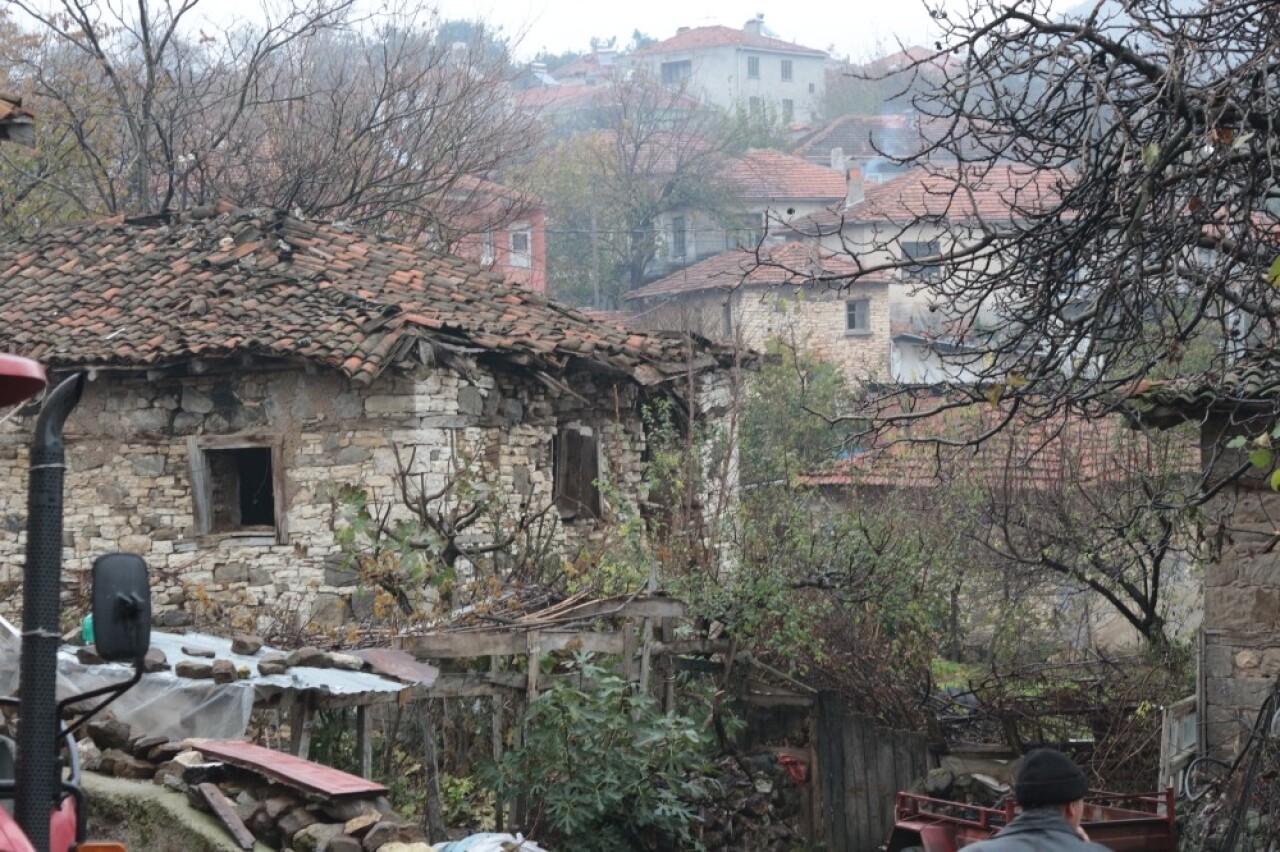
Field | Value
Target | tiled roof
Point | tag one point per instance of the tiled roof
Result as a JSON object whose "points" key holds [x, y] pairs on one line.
{"points": [[761, 173], [16, 121], [698, 38], [1251, 384], [788, 263], [564, 97], [1002, 193], [1024, 455], [861, 136], [223, 282]]}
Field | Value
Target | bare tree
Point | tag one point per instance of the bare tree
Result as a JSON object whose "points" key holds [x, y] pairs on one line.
{"points": [[375, 119], [653, 150], [1133, 148]]}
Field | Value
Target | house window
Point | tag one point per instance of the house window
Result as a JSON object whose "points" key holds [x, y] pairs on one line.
{"points": [[788, 110], [486, 248], [753, 67], [745, 233], [753, 105], [679, 246], [811, 88], [577, 468], [857, 316], [521, 254], [674, 73], [922, 249], [237, 486], [786, 70]]}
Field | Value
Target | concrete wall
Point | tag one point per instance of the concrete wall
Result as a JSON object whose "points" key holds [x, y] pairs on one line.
{"points": [[129, 485], [719, 75]]}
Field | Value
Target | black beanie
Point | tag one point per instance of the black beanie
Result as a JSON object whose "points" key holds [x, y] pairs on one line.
{"points": [[1048, 777]]}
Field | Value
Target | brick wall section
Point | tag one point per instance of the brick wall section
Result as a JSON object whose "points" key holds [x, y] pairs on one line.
{"points": [[1241, 599], [129, 482]]}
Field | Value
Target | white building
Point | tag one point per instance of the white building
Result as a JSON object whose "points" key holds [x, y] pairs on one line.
{"points": [[741, 68]]}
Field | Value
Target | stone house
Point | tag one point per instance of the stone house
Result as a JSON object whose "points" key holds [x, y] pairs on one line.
{"points": [[740, 68], [244, 363], [906, 227], [749, 297], [1240, 641]]}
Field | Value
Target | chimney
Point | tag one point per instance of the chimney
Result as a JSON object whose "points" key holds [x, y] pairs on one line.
{"points": [[755, 26], [837, 160], [854, 188], [680, 30]]}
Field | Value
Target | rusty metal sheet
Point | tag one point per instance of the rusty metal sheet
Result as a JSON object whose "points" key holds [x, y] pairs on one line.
{"points": [[290, 770], [399, 664]]}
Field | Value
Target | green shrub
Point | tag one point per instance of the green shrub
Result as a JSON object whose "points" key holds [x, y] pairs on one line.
{"points": [[602, 768]]}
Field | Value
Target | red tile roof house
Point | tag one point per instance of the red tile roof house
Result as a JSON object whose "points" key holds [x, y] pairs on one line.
{"points": [[750, 297], [247, 352], [504, 230], [923, 214], [740, 68], [764, 191]]}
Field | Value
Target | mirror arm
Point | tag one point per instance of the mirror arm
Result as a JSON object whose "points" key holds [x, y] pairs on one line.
{"points": [[112, 692]]}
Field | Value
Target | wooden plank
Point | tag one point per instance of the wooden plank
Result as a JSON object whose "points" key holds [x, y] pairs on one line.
{"points": [[630, 667], [287, 769], [857, 810], [620, 608], [777, 700], [693, 646], [831, 769], [201, 488], [225, 811], [667, 634], [364, 741], [885, 783], [476, 685], [488, 643]]}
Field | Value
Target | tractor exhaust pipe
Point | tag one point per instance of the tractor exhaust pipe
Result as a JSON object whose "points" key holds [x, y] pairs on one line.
{"points": [[38, 765]]}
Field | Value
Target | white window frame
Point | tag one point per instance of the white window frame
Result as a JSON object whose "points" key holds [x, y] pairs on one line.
{"points": [[753, 67], [486, 248], [787, 71], [520, 257]]}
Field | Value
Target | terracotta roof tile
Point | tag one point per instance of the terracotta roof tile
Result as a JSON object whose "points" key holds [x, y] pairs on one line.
{"points": [[775, 265], [697, 38], [994, 194], [761, 173], [1025, 454], [166, 289]]}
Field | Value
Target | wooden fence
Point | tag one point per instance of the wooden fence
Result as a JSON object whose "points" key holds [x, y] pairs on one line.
{"points": [[861, 765]]}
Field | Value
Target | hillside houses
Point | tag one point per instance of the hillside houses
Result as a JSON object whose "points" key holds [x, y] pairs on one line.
{"points": [[743, 69]]}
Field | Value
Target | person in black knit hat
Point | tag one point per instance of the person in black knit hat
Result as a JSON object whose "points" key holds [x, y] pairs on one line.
{"points": [[1051, 790]]}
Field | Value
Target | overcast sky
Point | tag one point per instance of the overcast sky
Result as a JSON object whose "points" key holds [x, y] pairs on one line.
{"points": [[860, 29], [854, 27]]}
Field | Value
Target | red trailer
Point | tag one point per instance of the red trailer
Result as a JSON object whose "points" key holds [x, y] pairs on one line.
{"points": [[1125, 822]]}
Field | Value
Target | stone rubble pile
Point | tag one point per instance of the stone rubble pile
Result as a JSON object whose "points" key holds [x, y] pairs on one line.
{"points": [[225, 671]]}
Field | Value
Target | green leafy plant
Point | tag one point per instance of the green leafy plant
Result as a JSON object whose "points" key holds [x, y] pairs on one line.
{"points": [[602, 768]]}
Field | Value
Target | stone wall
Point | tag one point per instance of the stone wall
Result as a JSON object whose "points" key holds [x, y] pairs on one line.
{"points": [[1241, 596], [130, 478], [811, 317]]}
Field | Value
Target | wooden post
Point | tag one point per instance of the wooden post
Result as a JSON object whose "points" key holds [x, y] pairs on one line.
{"points": [[364, 740], [499, 809], [301, 717], [668, 668], [534, 639], [630, 671]]}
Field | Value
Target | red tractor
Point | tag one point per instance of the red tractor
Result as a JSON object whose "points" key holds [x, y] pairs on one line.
{"points": [[43, 784]]}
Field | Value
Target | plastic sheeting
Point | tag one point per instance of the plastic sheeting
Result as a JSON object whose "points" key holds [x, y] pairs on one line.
{"points": [[491, 843], [161, 704]]}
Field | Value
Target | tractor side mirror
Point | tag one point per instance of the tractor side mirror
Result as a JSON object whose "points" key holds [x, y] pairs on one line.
{"points": [[121, 607]]}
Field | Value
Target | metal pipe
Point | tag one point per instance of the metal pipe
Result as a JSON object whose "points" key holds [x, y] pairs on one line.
{"points": [[38, 765]]}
